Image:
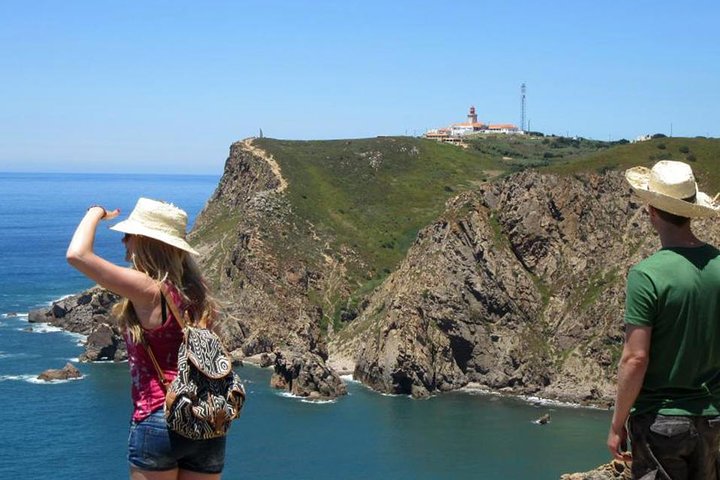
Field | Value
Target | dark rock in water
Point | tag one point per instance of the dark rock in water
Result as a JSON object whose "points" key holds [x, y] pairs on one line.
{"points": [[545, 419], [38, 316], [67, 372], [87, 313], [305, 374], [104, 343]]}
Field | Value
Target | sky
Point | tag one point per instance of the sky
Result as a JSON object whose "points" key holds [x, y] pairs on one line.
{"points": [[167, 86]]}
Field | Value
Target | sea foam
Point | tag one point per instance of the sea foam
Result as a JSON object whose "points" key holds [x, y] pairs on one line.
{"points": [[305, 399], [34, 380]]}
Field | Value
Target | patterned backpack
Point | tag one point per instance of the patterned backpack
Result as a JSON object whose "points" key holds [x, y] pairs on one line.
{"points": [[206, 396]]}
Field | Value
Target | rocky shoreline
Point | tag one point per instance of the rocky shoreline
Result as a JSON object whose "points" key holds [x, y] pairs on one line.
{"points": [[303, 374]]}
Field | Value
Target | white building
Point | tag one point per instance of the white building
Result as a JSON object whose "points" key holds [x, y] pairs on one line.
{"points": [[458, 130]]}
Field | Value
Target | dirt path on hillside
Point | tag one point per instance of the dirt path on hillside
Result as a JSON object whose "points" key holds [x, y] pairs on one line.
{"points": [[274, 166]]}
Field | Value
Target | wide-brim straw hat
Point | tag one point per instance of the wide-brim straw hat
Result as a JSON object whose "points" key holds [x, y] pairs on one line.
{"points": [[159, 220], [671, 186]]}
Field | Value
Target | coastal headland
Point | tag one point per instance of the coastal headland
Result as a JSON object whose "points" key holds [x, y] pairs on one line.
{"points": [[423, 267]]}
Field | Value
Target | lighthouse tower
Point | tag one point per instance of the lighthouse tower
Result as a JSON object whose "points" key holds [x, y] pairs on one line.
{"points": [[472, 116]]}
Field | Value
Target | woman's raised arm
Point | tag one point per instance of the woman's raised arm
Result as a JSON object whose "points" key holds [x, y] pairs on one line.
{"points": [[126, 282]]}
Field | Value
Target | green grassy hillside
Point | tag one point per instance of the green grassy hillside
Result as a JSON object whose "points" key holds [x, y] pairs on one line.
{"points": [[703, 154], [375, 194], [523, 151]]}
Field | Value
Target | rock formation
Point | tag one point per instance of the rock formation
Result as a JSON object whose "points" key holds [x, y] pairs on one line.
{"points": [[305, 374], [611, 471], [88, 313], [69, 371], [265, 290]]}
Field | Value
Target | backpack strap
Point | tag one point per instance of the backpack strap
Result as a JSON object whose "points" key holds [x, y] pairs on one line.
{"points": [[165, 299], [182, 319], [161, 376]]}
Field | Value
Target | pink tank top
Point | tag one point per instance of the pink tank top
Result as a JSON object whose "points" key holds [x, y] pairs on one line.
{"points": [[147, 393]]}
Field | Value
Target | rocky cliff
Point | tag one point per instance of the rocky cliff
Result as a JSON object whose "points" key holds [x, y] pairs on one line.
{"points": [[519, 287], [265, 291]]}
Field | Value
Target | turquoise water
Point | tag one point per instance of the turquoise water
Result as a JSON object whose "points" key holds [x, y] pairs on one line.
{"points": [[78, 429]]}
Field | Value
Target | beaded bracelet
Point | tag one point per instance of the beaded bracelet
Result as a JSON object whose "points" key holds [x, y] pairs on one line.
{"points": [[99, 206]]}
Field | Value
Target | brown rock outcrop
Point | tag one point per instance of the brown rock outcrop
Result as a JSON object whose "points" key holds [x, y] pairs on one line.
{"points": [[611, 471], [305, 374], [87, 313], [69, 371]]}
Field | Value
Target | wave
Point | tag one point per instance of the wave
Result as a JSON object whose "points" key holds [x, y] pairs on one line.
{"points": [[61, 298], [547, 402], [94, 362], [17, 355], [306, 399], [34, 380], [48, 328], [81, 338], [532, 399], [319, 402], [14, 315], [349, 378], [41, 328]]}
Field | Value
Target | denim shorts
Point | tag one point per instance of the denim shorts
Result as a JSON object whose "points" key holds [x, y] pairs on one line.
{"points": [[151, 446]]}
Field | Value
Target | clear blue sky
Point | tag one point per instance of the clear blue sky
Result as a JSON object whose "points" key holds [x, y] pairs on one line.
{"points": [[148, 86]]}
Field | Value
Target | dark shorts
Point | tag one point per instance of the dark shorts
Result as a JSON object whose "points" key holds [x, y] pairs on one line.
{"points": [[674, 447], [152, 447]]}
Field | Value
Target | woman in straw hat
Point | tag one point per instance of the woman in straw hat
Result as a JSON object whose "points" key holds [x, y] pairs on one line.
{"points": [[668, 393], [161, 266]]}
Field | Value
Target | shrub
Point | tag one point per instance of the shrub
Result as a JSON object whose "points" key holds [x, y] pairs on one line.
{"points": [[684, 149], [661, 146], [691, 158], [659, 135]]}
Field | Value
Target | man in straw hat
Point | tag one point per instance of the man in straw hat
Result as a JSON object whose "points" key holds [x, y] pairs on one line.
{"points": [[669, 372]]}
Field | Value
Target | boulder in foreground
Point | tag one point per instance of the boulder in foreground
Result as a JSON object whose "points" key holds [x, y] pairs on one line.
{"points": [[611, 471]]}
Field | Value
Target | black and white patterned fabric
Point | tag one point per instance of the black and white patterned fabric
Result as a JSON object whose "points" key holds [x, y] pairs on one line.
{"points": [[206, 396]]}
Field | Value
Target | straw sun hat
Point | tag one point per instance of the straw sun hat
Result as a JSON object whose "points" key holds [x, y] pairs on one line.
{"points": [[670, 186], [159, 220]]}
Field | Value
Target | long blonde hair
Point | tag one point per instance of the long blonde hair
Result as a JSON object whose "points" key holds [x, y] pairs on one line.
{"points": [[165, 263]]}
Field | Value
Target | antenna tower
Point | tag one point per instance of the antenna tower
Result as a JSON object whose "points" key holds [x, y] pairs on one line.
{"points": [[522, 99]]}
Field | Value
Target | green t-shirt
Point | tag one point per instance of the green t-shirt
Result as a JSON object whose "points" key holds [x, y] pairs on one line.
{"points": [[676, 291]]}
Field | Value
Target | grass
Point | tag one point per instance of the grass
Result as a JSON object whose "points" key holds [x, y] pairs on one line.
{"points": [[520, 152], [596, 285], [703, 154], [373, 195]]}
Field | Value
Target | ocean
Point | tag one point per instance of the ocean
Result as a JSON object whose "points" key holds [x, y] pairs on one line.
{"points": [[78, 429]]}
